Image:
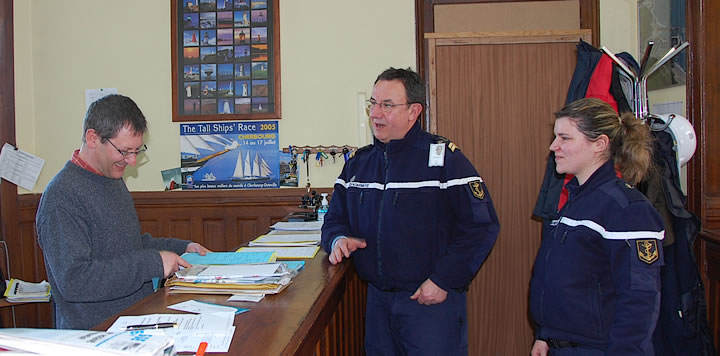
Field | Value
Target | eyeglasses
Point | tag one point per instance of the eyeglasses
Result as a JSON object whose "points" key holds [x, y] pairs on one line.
{"points": [[385, 107], [127, 154]]}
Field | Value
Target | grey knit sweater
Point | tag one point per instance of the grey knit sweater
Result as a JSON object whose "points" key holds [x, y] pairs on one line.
{"points": [[97, 260]]}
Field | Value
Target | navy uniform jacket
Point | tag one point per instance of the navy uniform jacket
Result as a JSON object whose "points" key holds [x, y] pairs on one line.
{"points": [[419, 222], [596, 279]]}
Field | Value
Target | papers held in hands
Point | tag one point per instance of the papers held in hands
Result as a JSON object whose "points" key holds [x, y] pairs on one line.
{"points": [[267, 278], [84, 342], [229, 258], [20, 291], [224, 273], [285, 252]]}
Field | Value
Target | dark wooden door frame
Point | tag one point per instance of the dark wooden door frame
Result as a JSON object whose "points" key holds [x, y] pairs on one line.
{"points": [[8, 191], [703, 79], [425, 22]]}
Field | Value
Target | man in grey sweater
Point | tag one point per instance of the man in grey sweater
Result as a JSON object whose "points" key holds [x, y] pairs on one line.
{"points": [[97, 260]]}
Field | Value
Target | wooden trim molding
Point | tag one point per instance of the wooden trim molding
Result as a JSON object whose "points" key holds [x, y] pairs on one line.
{"points": [[703, 109], [436, 40], [425, 23], [703, 170], [8, 191]]}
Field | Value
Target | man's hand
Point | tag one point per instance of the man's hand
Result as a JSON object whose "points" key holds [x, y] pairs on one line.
{"points": [[540, 348], [196, 247], [172, 262], [344, 247], [429, 293]]}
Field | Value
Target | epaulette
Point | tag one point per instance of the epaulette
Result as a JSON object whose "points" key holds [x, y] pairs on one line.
{"points": [[440, 139], [625, 184], [364, 148]]}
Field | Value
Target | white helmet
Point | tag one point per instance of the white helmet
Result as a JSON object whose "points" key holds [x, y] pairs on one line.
{"points": [[683, 135]]}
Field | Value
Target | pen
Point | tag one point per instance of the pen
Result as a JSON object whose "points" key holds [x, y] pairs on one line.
{"points": [[150, 326], [201, 349]]}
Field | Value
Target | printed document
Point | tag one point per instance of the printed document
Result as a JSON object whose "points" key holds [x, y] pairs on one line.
{"points": [[216, 329], [20, 167]]}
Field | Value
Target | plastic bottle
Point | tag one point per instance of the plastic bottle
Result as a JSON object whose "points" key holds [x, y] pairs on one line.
{"points": [[323, 207]]}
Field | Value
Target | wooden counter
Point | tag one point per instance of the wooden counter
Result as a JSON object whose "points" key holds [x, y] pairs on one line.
{"points": [[321, 313]]}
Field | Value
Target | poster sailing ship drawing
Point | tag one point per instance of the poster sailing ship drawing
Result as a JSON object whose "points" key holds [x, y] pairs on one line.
{"points": [[229, 155]]}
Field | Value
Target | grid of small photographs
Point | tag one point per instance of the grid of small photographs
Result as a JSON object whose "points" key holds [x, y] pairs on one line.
{"points": [[226, 58]]}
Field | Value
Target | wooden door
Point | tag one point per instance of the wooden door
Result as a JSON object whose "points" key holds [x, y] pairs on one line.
{"points": [[494, 95]]}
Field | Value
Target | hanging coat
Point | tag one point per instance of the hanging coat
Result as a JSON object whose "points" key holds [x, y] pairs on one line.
{"points": [[682, 327]]}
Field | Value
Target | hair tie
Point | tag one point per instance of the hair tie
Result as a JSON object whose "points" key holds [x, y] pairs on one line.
{"points": [[620, 120]]}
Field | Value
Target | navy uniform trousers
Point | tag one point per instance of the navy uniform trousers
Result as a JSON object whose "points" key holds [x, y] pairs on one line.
{"points": [[398, 325]]}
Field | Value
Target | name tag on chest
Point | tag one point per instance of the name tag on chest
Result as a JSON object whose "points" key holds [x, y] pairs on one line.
{"points": [[437, 155]]}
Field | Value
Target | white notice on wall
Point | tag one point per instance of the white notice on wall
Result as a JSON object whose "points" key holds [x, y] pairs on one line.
{"points": [[19, 167], [94, 94], [672, 107]]}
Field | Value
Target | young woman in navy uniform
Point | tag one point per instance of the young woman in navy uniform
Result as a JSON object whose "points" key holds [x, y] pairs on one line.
{"points": [[595, 288]]}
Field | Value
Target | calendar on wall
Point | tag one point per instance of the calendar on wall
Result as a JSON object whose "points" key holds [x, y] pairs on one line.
{"points": [[225, 60]]}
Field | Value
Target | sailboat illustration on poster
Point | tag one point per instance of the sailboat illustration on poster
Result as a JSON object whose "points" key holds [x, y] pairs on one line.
{"points": [[247, 169]]}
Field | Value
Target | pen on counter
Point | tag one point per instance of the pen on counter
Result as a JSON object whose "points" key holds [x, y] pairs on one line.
{"points": [[201, 349], [150, 326]]}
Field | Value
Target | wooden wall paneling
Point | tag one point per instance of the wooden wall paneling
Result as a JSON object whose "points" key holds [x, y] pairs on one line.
{"points": [[494, 97], [712, 253], [345, 333], [220, 220], [26, 263]]}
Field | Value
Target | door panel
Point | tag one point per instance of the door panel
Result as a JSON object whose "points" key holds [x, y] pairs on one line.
{"points": [[496, 101]]}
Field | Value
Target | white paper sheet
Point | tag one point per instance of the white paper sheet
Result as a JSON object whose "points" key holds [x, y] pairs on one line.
{"points": [[246, 298], [20, 167], [216, 329], [94, 94], [297, 225], [249, 272], [193, 306]]}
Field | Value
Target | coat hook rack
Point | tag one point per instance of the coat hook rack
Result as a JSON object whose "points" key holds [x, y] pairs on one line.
{"points": [[316, 149]]}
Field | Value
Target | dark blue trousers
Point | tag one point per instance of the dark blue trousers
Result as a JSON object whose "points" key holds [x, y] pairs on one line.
{"points": [[576, 351], [398, 325]]}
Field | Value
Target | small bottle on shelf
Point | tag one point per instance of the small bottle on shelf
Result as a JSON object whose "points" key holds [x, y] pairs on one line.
{"points": [[323, 207]]}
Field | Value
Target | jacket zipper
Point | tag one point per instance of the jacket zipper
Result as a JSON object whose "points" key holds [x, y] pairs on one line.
{"points": [[386, 165], [566, 207]]}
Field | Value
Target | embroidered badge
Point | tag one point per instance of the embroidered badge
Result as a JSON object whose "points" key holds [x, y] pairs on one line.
{"points": [[477, 189], [647, 250]]}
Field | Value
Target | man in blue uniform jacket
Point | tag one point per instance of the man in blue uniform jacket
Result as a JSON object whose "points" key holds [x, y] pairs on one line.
{"points": [[418, 221]]}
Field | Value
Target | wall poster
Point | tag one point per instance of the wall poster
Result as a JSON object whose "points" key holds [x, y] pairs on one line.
{"points": [[230, 155], [225, 56]]}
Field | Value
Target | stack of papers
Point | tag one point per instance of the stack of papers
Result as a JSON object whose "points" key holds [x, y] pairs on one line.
{"points": [[20, 291], [297, 225], [83, 343], [286, 253], [214, 328], [287, 238], [229, 258], [260, 278]]}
